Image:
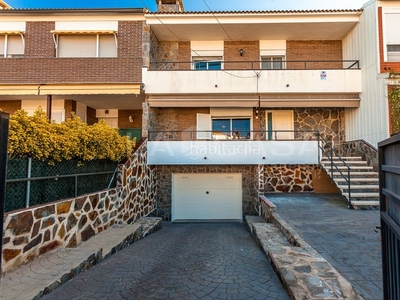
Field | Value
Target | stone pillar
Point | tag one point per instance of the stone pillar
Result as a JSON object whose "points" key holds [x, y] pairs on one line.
{"points": [[145, 119], [170, 5]]}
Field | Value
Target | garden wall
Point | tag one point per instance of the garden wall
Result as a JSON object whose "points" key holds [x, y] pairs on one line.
{"points": [[34, 231]]}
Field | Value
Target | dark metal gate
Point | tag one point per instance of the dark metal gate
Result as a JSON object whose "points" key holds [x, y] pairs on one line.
{"points": [[3, 166], [389, 182]]}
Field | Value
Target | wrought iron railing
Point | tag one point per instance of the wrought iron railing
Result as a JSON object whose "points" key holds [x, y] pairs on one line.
{"points": [[330, 153], [256, 65]]}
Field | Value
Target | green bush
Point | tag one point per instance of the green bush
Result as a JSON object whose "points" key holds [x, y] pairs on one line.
{"points": [[36, 137]]}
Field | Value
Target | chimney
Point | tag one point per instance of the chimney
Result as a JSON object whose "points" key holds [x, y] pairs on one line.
{"points": [[170, 6]]}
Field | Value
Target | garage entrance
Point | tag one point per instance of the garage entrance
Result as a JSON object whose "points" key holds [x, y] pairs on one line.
{"points": [[206, 197]]}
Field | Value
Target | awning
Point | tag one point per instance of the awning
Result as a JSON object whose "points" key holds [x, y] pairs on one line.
{"points": [[11, 32], [71, 89], [83, 32]]}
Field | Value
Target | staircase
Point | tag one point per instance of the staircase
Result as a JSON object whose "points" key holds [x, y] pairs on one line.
{"points": [[364, 182]]}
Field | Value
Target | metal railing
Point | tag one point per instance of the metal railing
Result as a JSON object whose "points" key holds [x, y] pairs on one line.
{"points": [[232, 135], [328, 151], [44, 189], [256, 65]]}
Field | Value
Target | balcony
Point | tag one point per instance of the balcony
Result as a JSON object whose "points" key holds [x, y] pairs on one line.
{"points": [[216, 148], [323, 82]]}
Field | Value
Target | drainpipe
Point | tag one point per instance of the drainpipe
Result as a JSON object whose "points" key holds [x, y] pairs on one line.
{"points": [[49, 106]]}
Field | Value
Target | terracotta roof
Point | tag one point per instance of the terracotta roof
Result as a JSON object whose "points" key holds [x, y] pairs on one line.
{"points": [[4, 5]]}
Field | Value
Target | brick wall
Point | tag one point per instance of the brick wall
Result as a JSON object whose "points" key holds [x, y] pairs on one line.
{"points": [[38, 39], [40, 65], [10, 106], [386, 67], [123, 118], [70, 107], [91, 116], [312, 51], [251, 55], [184, 55]]}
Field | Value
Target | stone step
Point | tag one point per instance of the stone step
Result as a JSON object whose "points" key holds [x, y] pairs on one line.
{"points": [[355, 174], [339, 162], [344, 158], [363, 196], [357, 181], [355, 168], [365, 204], [355, 189]]}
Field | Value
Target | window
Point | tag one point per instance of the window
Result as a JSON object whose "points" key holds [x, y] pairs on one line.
{"points": [[393, 52], [86, 45], [11, 45], [232, 128], [272, 62], [391, 23], [207, 63]]}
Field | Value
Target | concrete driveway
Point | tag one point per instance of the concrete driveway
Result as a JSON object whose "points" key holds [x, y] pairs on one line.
{"points": [[181, 261]]}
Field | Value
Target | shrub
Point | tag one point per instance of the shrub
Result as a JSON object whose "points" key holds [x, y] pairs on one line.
{"points": [[36, 137]]}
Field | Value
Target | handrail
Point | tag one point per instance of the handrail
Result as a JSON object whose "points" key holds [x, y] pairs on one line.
{"points": [[232, 135], [257, 65], [333, 165]]}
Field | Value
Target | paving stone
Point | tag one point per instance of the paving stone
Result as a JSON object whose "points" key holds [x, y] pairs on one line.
{"points": [[178, 261]]}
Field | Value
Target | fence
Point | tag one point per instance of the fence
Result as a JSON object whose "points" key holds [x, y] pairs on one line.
{"points": [[31, 182], [389, 178]]}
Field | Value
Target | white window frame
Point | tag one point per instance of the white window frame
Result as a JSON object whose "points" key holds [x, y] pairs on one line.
{"points": [[231, 129], [268, 129], [271, 61], [57, 35], [386, 53], [6, 35], [207, 59]]}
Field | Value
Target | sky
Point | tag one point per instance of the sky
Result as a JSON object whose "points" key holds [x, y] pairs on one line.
{"points": [[195, 5]]}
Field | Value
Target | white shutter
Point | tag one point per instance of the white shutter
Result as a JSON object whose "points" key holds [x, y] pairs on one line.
{"points": [[204, 127]]}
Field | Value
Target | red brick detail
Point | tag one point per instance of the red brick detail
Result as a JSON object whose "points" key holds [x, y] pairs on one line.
{"points": [[248, 61], [184, 55], [123, 119], [314, 51], [385, 66], [10, 106], [39, 40], [69, 107], [187, 117], [91, 116], [40, 65]]}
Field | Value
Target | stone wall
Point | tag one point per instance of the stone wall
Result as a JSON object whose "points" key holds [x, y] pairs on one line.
{"points": [[328, 121], [361, 148], [164, 185], [34, 231], [289, 178]]}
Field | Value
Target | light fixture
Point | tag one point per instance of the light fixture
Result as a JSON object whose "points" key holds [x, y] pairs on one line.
{"points": [[130, 119], [241, 52]]}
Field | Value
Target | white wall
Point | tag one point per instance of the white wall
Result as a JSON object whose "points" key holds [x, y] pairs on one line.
{"points": [[232, 152], [370, 121]]}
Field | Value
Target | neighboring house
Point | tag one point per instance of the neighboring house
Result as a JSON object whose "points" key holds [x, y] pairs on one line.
{"points": [[85, 61], [376, 42], [4, 5]]}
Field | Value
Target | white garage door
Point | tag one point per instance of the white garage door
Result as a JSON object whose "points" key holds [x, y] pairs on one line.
{"points": [[211, 196]]}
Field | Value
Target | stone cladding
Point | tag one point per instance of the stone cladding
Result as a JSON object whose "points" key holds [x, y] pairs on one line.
{"points": [[328, 121], [361, 148], [289, 178], [164, 185], [31, 232]]}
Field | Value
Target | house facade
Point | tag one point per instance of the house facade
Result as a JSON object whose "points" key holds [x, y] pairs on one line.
{"points": [[87, 62], [233, 104], [237, 99]]}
